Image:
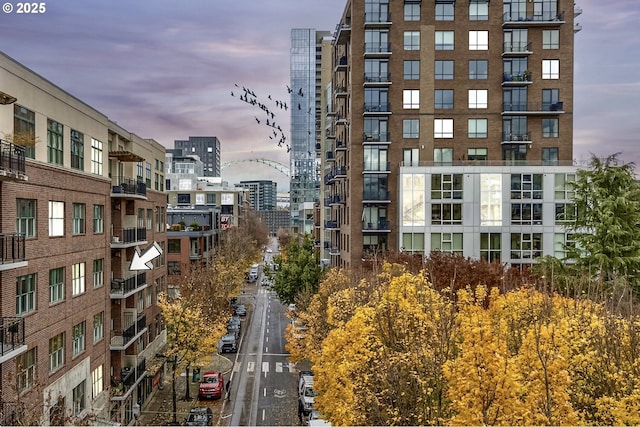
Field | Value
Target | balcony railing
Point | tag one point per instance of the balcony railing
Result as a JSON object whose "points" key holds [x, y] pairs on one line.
{"points": [[121, 339], [544, 17], [377, 48], [12, 161], [551, 107], [378, 107], [333, 200], [516, 48], [516, 78], [376, 17], [377, 77], [124, 235], [512, 136], [380, 195], [331, 224], [12, 248], [340, 145], [11, 334], [122, 287], [381, 225], [127, 186], [496, 163], [129, 376], [376, 137], [376, 167]]}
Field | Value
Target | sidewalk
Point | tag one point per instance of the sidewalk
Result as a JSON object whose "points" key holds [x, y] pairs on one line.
{"points": [[159, 409]]}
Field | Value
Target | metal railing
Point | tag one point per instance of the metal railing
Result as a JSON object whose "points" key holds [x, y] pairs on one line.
{"points": [[125, 185], [12, 248], [124, 286], [12, 157], [11, 334], [129, 234]]}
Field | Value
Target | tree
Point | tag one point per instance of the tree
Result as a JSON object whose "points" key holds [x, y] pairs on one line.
{"points": [[298, 270], [605, 232], [190, 337]]}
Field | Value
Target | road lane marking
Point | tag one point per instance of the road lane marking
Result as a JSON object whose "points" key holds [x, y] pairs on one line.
{"points": [[278, 366], [251, 366], [265, 367]]}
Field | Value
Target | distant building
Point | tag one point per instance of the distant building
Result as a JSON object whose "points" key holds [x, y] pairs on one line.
{"points": [[262, 194], [275, 220], [207, 148]]}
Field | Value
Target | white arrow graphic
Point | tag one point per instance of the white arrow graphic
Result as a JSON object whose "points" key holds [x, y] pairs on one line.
{"points": [[143, 262]]}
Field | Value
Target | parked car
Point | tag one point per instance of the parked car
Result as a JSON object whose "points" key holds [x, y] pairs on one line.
{"points": [[228, 344], [211, 385], [234, 329], [234, 320], [241, 310], [201, 416]]}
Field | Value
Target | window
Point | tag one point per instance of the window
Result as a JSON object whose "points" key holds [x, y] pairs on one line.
{"points": [[139, 171], [526, 213], [446, 213], [550, 39], [514, 154], [211, 198], [184, 199], [98, 326], [375, 158], [77, 150], [78, 218], [412, 70], [515, 40], [25, 294], [444, 10], [563, 243], [173, 268], [55, 143], [410, 157], [478, 10], [376, 41], [526, 245], [78, 343], [410, 99], [140, 301], [526, 186], [375, 187], [97, 381], [447, 242], [478, 40], [150, 216], [376, 70], [56, 285], [147, 297], [78, 398], [98, 272], [412, 40], [476, 154], [477, 98], [147, 169], [413, 200], [490, 246], [96, 157], [174, 246], [98, 219], [411, 10], [413, 242], [24, 125], [443, 128], [477, 128], [478, 69], [442, 156], [516, 70], [56, 219], [550, 99], [550, 69], [565, 213], [411, 128], [446, 186], [77, 278], [443, 99], [550, 128], [490, 199], [444, 40], [26, 217], [550, 156], [444, 70], [26, 369], [56, 352]]}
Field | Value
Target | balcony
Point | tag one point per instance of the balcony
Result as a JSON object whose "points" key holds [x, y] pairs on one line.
{"points": [[130, 376], [509, 138], [377, 19], [340, 91], [331, 225], [379, 226], [340, 145], [377, 79], [577, 11], [376, 137], [377, 107], [516, 49], [543, 108], [516, 79], [341, 64], [12, 338], [123, 288], [124, 187], [342, 33], [329, 156], [12, 251], [336, 199], [340, 172], [376, 196], [124, 237], [334, 251], [376, 167], [377, 49], [539, 19], [122, 339], [12, 162]]}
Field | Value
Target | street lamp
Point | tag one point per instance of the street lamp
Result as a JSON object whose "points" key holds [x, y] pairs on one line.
{"points": [[6, 99]]}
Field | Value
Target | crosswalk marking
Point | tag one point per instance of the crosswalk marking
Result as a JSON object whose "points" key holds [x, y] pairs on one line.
{"points": [[265, 367], [280, 367]]}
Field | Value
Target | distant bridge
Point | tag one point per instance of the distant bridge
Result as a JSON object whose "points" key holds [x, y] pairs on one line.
{"points": [[283, 169]]}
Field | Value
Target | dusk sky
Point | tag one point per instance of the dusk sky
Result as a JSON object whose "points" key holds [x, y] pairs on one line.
{"points": [[165, 69]]}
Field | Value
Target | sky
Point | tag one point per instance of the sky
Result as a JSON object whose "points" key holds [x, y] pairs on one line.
{"points": [[165, 69]]}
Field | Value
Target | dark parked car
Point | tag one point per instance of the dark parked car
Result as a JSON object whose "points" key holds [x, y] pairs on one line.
{"points": [[200, 417], [241, 310], [228, 344], [234, 329], [211, 385]]}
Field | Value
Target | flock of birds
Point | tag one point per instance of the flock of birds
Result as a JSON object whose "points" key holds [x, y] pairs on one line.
{"points": [[268, 119]]}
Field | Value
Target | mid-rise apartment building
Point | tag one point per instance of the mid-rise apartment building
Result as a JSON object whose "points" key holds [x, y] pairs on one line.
{"points": [[78, 194], [452, 122], [207, 148]]}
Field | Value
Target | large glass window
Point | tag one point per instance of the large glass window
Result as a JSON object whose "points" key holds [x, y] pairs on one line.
{"points": [[77, 150], [376, 41], [413, 200], [411, 128], [375, 187], [412, 40], [478, 10], [478, 69], [56, 285], [526, 213], [444, 40], [490, 246], [550, 98], [97, 381], [478, 40], [374, 218], [412, 70], [376, 70], [526, 186], [55, 142], [411, 10], [444, 10], [444, 70], [550, 69], [476, 154], [550, 39], [515, 40], [564, 186], [443, 99], [79, 401], [78, 218], [411, 99], [478, 98], [550, 128], [376, 129], [173, 246], [25, 294], [26, 217], [413, 242], [477, 128], [550, 156], [443, 128], [56, 352], [376, 158], [526, 245], [446, 186], [490, 199], [446, 213], [96, 157], [410, 157], [24, 127], [443, 156], [447, 242], [376, 99]]}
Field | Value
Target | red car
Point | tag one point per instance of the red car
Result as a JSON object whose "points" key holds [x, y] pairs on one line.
{"points": [[211, 385]]}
